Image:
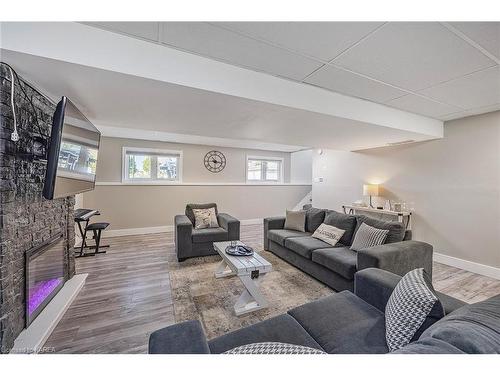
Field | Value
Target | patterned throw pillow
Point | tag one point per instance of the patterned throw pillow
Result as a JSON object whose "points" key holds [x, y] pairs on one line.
{"points": [[367, 236], [273, 348], [328, 233], [411, 303], [205, 218]]}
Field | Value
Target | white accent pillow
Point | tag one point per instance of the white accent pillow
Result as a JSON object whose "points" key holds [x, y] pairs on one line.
{"points": [[205, 218], [328, 233]]}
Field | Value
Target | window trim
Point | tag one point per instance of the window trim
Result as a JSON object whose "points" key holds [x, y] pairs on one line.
{"points": [[265, 158], [158, 151]]}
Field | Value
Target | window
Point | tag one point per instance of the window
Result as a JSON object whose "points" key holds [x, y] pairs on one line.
{"points": [[263, 169], [142, 164]]}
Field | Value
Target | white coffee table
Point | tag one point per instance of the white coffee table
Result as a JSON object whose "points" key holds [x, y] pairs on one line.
{"points": [[250, 270]]}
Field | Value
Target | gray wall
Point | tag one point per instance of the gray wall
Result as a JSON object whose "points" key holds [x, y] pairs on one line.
{"points": [[110, 160], [453, 184], [128, 207], [143, 206], [301, 166]]}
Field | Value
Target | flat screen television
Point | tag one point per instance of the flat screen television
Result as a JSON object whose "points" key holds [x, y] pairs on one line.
{"points": [[72, 153]]}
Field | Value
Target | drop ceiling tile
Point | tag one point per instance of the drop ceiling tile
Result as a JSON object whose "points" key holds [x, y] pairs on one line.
{"points": [[335, 79], [322, 40], [471, 112], [145, 30], [215, 42], [414, 55], [474, 90], [481, 110], [422, 106], [486, 34]]}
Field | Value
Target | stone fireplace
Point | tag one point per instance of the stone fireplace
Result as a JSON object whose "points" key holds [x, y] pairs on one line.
{"points": [[28, 222]]}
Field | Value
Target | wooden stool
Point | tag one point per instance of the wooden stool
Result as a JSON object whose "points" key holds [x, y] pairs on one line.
{"points": [[97, 229]]}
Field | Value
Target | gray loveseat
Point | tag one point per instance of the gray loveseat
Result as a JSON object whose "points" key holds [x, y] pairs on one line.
{"points": [[349, 323], [191, 242], [336, 266]]}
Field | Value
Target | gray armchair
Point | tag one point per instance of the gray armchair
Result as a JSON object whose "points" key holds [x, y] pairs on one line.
{"points": [[191, 242]]}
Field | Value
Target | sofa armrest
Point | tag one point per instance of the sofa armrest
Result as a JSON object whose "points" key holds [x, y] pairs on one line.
{"points": [[398, 257], [182, 338], [375, 286], [272, 223], [183, 232], [231, 224]]}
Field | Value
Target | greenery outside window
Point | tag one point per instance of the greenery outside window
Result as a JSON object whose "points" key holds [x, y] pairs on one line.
{"points": [[151, 165]]}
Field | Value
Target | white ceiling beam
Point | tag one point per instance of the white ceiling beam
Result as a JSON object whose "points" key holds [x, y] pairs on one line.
{"points": [[89, 46], [152, 135]]}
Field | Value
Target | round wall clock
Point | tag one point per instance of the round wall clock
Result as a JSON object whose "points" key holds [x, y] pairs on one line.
{"points": [[215, 161]]}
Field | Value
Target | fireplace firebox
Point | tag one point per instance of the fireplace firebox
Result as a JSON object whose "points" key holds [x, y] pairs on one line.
{"points": [[45, 275]]}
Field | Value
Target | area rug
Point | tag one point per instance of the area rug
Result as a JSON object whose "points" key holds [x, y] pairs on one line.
{"points": [[197, 294]]}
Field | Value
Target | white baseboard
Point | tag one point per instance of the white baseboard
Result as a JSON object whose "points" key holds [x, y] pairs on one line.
{"points": [[31, 339], [481, 269], [161, 229]]}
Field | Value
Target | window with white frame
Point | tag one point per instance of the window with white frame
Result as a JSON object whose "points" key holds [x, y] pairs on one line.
{"points": [[151, 165], [264, 169]]}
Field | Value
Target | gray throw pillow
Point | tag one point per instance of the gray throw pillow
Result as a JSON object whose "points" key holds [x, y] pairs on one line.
{"points": [[342, 221], [295, 220], [314, 218], [412, 302], [396, 229], [368, 236]]}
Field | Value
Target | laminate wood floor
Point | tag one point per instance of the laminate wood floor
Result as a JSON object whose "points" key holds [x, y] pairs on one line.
{"points": [[127, 294]]}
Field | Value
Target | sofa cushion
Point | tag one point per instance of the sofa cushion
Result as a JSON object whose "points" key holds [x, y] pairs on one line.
{"points": [[343, 323], [342, 221], [471, 329], [281, 328], [190, 206], [280, 235], [305, 245], [338, 259], [395, 228], [209, 235], [314, 218]]}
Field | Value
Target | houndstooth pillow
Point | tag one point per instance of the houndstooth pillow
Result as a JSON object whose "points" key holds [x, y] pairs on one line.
{"points": [[413, 305], [273, 348], [367, 236]]}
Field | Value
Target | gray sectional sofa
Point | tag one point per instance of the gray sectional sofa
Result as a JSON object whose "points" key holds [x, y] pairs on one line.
{"points": [[336, 266], [349, 323]]}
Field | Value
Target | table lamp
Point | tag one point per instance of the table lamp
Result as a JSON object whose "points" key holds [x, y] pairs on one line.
{"points": [[370, 190]]}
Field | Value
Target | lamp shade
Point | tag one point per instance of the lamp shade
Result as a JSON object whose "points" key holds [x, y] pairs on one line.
{"points": [[370, 189]]}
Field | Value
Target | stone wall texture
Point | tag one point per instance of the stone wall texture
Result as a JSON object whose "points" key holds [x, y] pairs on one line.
{"points": [[26, 218]]}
